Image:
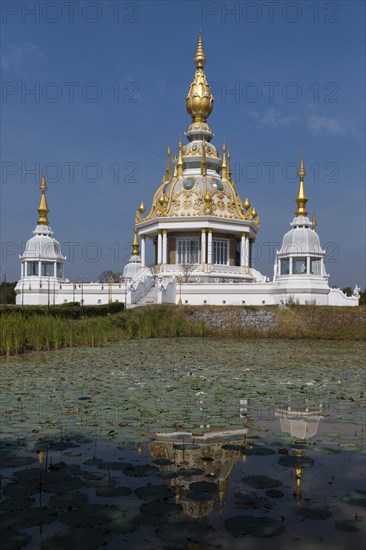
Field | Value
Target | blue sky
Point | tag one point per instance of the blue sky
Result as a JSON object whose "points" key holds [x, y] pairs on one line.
{"points": [[110, 81]]}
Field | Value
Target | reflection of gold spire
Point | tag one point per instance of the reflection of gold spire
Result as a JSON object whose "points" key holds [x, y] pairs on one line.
{"points": [[135, 245], [298, 477], [199, 101], [180, 160], [168, 171], [223, 166], [43, 207], [301, 195], [313, 222]]}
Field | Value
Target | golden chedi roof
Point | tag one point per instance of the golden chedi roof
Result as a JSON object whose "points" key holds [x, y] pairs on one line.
{"points": [[201, 183]]}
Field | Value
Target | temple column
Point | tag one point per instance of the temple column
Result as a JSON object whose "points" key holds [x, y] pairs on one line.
{"points": [[209, 247], [39, 268], [308, 265], [290, 266], [203, 246], [143, 250], [165, 246], [55, 269], [159, 247]]}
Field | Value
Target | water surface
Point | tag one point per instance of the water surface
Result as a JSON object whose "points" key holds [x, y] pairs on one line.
{"points": [[158, 443]]}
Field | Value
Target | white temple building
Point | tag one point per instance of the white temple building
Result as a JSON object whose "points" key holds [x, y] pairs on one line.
{"points": [[202, 235]]}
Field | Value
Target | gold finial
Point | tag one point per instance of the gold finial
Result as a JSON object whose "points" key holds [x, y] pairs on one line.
{"points": [[168, 171], [43, 207], [254, 212], [301, 195], [228, 164], [142, 207], [246, 204], [175, 166], [180, 160], [199, 101], [203, 161], [313, 222], [223, 165], [135, 245], [200, 58]]}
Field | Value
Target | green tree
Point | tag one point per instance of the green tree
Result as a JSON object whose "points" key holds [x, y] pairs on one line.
{"points": [[7, 293]]}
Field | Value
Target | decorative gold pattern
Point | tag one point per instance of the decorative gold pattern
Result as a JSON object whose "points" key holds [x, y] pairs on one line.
{"points": [[135, 245]]}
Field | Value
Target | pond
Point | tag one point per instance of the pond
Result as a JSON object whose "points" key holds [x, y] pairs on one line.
{"points": [[185, 443]]}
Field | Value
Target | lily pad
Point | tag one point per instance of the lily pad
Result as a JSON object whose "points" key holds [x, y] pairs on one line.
{"points": [[68, 500], [23, 519], [348, 525], [296, 461], [313, 512], [240, 526], [185, 530], [261, 482], [199, 497], [91, 515], [16, 503], [114, 465], [258, 451], [14, 461], [113, 491], [356, 498], [190, 472], [154, 492], [203, 487], [81, 538], [157, 507], [163, 462], [12, 539], [141, 470]]}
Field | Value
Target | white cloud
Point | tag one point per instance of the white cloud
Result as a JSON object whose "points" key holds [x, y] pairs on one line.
{"points": [[18, 54], [271, 118], [322, 124]]}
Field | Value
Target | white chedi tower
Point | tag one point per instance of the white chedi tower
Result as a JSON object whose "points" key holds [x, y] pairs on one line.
{"points": [[42, 262], [299, 268]]}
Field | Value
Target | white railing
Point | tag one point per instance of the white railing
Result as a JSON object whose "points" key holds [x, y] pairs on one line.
{"points": [[139, 285]]}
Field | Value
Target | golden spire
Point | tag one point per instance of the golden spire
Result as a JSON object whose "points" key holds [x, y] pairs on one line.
{"points": [[203, 161], [199, 101], [200, 58], [180, 160], [142, 207], [228, 165], [168, 171], [246, 204], [135, 245], [43, 207], [175, 166], [223, 165], [301, 195], [313, 222]]}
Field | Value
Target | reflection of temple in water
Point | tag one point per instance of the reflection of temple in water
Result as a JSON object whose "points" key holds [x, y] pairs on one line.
{"points": [[207, 458], [301, 423]]}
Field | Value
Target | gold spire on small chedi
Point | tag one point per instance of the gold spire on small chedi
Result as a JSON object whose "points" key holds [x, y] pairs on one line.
{"points": [[301, 195], [168, 171], [135, 245], [199, 101], [43, 207], [313, 222]]}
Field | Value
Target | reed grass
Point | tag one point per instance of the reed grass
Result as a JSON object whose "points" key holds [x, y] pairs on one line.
{"points": [[21, 332]]}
